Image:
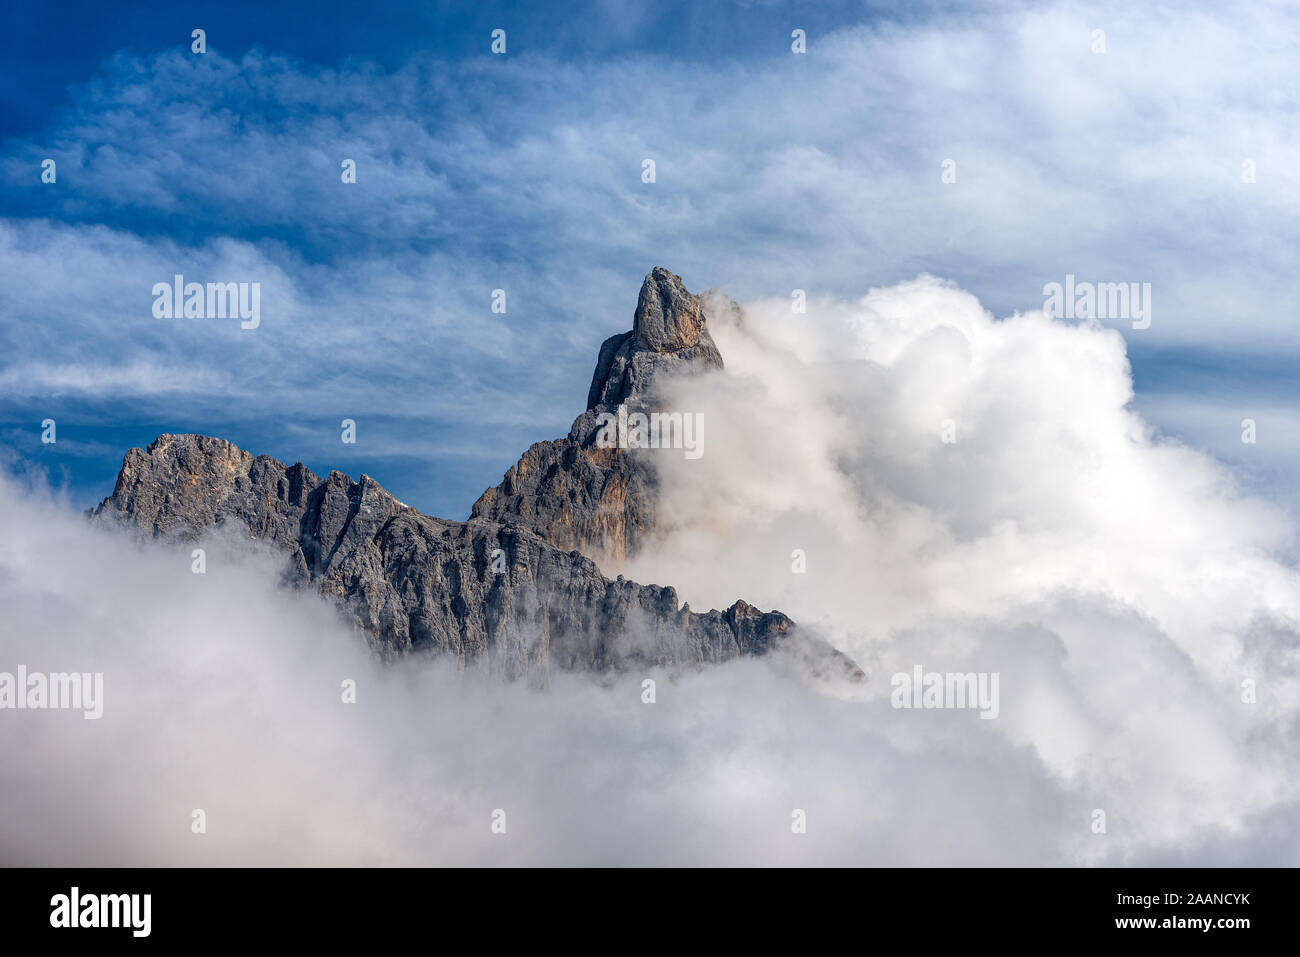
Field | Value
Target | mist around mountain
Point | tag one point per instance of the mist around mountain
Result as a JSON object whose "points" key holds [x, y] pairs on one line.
{"points": [[923, 487]]}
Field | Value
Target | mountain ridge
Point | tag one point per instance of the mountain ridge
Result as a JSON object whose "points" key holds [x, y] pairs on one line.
{"points": [[516, 586]]}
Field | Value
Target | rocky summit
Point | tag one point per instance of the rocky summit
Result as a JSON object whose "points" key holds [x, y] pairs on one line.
{"points": [[517, 587], [600, 501]]}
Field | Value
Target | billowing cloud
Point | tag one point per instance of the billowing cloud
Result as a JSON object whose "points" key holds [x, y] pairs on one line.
{"points": [[969, 494]]}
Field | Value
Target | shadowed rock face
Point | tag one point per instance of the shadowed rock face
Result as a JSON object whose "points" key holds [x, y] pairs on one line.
{"points": [[508, 589], [414, 582]]}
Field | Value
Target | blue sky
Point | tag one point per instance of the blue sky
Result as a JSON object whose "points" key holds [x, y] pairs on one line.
{"points": [[775, 171]]}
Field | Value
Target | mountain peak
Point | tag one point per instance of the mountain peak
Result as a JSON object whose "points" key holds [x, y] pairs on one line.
{"points": [[668, 335], [517, 586], [668, 317]]}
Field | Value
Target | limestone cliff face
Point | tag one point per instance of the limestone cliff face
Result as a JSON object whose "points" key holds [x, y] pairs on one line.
{"points": [[509, 589]]}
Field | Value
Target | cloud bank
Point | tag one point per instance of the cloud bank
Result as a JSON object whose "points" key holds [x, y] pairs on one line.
{"points": [[1120, 585], [979, 495]]}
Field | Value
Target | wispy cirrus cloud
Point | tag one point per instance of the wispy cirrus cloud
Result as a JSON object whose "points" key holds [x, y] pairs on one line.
{"points": [[96, 381], [774, 171]]}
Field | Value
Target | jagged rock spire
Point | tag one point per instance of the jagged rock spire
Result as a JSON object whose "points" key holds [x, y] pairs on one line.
{"points": [[668, 317], [668, 335]]}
